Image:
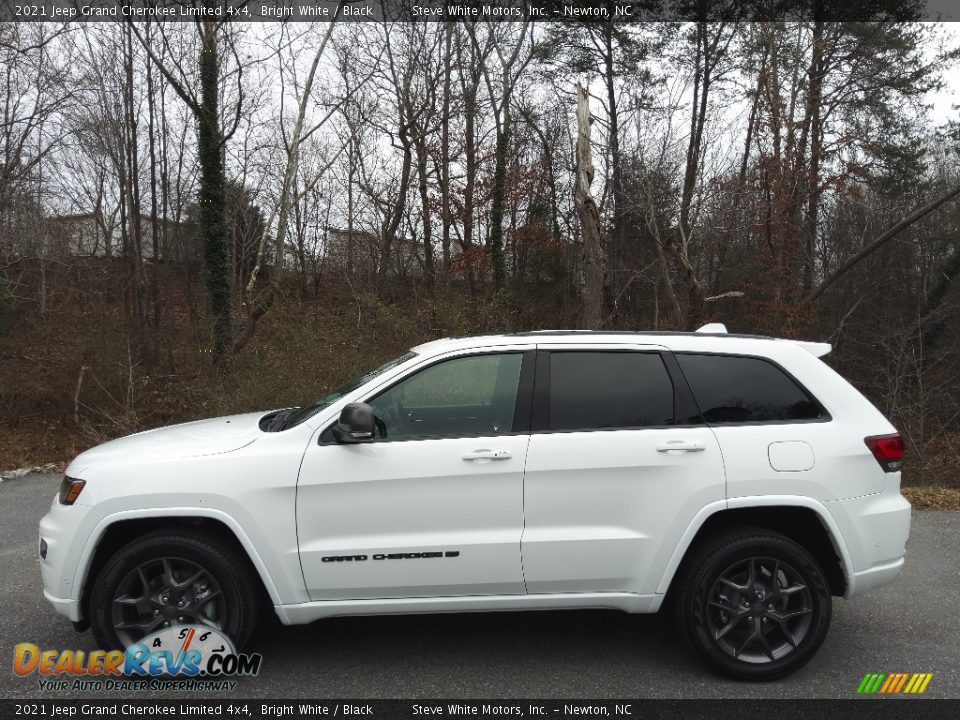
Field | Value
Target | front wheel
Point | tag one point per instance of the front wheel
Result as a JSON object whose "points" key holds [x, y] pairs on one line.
{"points": [[754, 604], [172, 577]]}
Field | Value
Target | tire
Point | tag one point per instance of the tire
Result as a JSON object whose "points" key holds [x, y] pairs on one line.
{"points": [[754, 627], [210, 578]]}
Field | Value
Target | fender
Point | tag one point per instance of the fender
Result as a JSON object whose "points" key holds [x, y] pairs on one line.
{"points": [[83, 566], [833, 531]]}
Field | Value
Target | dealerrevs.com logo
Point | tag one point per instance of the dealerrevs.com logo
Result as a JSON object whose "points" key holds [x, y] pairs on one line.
{"points": [[185, 657]]}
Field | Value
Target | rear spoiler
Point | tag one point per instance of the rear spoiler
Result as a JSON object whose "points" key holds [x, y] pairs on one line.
{"points": [[817, 349]]}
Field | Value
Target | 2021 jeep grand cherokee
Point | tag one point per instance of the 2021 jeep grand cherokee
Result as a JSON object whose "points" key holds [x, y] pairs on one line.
{"points": [[739, 476]]}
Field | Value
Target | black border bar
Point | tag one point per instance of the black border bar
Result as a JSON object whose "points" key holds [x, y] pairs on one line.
{"points": [[873, 708], [480, 10]]}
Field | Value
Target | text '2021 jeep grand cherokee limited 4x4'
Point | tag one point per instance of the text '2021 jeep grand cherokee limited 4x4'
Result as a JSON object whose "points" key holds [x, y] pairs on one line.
{"points": [[739, 476]]}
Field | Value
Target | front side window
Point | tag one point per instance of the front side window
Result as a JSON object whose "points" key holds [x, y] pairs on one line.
{"points": [[473, 395], [737, 389], [608, 390]]}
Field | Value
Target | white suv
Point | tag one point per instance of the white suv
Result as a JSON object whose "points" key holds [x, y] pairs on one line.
{"points": [[740, 477]]}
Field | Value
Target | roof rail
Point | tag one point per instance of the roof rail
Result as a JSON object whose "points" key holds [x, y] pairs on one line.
{"points": [[713, 329]]}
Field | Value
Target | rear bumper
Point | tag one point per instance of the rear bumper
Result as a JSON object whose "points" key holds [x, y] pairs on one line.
{"points": [[875, 529], [876, 576]]}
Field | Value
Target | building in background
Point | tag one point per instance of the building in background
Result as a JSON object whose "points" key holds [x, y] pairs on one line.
{"points": [[97, 235]]}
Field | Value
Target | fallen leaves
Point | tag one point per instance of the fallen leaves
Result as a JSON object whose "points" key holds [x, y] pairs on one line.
{"points": [[932, 498]]}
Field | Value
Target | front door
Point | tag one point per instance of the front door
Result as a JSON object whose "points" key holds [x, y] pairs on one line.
{"points": [[434, 505]]}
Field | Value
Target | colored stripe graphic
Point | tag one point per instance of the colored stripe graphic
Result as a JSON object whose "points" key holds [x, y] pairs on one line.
{"points": [[903, 680], [894, 683], [891, 680], [869, 683]]}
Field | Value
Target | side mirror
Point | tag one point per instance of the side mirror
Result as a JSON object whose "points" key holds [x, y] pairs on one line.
{"points": [[356, 424]]}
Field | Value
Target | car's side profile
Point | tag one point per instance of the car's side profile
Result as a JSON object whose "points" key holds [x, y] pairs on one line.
{"points": [[739, 478]]}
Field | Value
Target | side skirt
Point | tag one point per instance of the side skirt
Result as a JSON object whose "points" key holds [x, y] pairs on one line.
{"points": [[627, 602]]}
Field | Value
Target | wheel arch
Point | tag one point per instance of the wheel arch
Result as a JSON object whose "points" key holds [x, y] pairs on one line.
{"points": [[115, 530], [803, 520]]}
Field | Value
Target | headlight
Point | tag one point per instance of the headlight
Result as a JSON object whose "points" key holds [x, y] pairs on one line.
{"points": [[70, 490]]}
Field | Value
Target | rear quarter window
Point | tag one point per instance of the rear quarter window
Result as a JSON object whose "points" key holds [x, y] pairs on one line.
{"points": [[735, 389]]}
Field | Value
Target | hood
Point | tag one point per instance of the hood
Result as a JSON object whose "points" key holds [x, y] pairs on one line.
{"points": [[193, 439]]}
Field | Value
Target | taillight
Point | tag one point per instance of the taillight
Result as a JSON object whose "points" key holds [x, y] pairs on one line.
{"points": [[887, 449], [70, 490]]}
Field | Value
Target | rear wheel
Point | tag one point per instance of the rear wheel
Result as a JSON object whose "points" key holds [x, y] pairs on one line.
{"points": [[171, 578], [754, 604]]}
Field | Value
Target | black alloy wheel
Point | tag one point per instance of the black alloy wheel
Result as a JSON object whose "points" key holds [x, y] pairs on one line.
{"points": [[759, 609], [753, 603], [173, 577], [166, 591]]}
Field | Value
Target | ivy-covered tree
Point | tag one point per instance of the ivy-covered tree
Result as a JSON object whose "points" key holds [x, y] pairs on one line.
{"points": [[204, 104]]}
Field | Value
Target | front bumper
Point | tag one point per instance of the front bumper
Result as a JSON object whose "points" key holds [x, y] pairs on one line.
{"points": [[68, 607], [62, 530]]}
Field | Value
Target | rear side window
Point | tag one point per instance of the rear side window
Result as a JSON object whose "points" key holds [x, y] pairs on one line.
{"points": [[735, 389], [608, 390]]}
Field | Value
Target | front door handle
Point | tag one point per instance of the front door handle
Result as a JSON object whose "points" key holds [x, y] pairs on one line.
{"points": [[680, 445], [482, 455]]}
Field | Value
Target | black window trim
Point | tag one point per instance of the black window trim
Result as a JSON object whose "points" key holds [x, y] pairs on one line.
{"points": [[825, 416], [682, 395], [521, 413]]}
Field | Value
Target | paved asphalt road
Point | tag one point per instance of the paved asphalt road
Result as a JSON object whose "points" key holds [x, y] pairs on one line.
{"points": [[910, 626]]}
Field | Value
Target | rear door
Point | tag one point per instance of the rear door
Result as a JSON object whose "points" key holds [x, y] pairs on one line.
{"points": [[618, 465]]}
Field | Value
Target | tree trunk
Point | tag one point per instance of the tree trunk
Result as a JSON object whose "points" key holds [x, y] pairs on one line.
{"points": [[616, 164], [882, 239], [499, 191], [392, 226], [814, 101], [424, 188], [445, 152], [698, 113], [470, 170], [213, 197], [703, 78], [132, 188], [154, 192], [589, 217], [352, 169]]}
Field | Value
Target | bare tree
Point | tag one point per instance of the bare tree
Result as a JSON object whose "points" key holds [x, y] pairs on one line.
{"points": [[589, 217], [203, 100], [299, 133], [514, 50]]}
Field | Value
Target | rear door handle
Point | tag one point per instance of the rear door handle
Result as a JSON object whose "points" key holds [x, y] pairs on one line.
{"points": [[680, 445], [487, 455]]}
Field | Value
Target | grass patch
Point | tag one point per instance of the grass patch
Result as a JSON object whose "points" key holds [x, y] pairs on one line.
{"points": [[932, 498]]}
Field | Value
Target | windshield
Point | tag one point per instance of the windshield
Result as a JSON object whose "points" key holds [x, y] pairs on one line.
{"points": [[298, 415]]}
